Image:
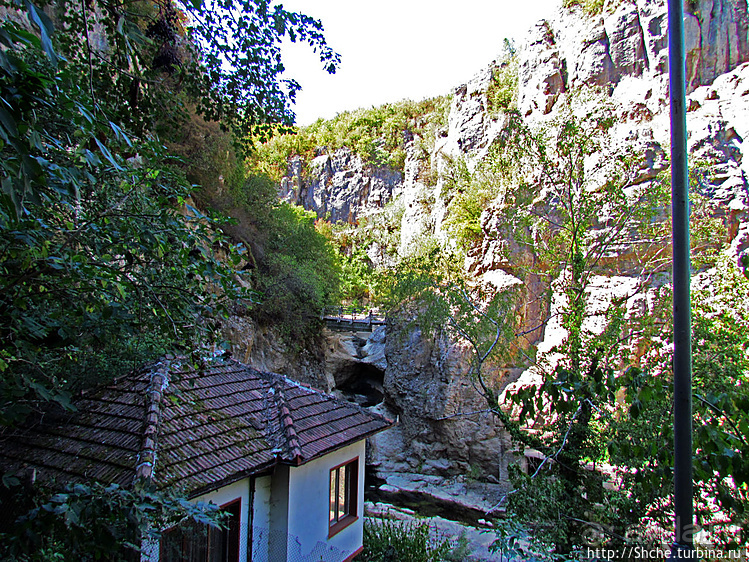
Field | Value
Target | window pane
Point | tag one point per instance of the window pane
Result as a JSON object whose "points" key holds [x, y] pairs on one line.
{"points": [[333, 495], [341, 492], [350, 483]]}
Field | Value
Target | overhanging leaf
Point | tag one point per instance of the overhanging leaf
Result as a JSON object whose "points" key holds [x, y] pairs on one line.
{"points": [[46, 29]]}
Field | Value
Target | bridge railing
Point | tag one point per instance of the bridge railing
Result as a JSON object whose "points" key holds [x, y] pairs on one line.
{"points": [[353, 315]]}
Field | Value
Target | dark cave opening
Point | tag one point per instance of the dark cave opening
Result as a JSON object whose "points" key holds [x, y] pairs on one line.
{"points": [[363, 384]]}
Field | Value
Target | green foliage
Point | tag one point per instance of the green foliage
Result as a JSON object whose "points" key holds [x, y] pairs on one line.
{"points": [[468, 195], [573, 194], [503, 89], [101, 255], [516, 539], [708, 233], [364, 251], [297, 275], [104, 258], [381, 232], [378, 135], [358, 278], [207, 157], [642, 440], [602, 412], [90, 521], [294, 270], [392, 541], [228, 67], [568, 202], [429, 290], [589, 7]]}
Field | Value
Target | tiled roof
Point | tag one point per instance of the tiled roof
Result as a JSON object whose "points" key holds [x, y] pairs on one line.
{"points": [[194, 430]]}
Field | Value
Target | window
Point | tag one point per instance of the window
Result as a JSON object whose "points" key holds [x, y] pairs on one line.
{"points": [[344, 492], [197, 542]]}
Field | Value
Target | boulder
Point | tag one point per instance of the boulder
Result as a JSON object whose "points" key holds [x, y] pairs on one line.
{"points": [[444, 425]]}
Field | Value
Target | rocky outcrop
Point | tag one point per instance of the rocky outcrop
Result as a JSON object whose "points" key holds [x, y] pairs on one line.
{"points": [[624, 53], [444, 427], [623, 50], [266, 350], [542, 72], [573, 49], [350, 364], [340, 186], [716, 33]]}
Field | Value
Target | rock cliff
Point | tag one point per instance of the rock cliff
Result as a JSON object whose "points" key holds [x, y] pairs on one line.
{"points": [[340, 186], [624, 53]]}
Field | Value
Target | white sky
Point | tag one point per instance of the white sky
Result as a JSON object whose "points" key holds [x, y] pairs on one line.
{"points": [[396, 49]]}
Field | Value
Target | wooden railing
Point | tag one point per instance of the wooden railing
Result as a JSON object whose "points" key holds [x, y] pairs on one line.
{"points": [[352, 318]]}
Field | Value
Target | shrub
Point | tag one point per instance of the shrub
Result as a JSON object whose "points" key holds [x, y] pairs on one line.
{"points": [[297, 273], [468, 196], [591, 7], [378, 135], [401, 541], [502, 92]]}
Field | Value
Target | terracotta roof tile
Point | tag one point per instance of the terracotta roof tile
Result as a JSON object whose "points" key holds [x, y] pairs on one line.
{"points": [[195, 430]]}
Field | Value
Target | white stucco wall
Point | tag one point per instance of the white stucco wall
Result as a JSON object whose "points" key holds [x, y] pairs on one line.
{"points": [[270, 516], [291, 507], [261, 510], [309, 497], [241, 490]]}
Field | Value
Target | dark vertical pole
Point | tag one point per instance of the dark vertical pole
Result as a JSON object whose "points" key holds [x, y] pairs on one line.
{"points": [[684, 529]]}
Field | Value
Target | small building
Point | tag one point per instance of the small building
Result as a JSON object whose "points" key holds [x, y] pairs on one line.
{"points": [[285, 461]]}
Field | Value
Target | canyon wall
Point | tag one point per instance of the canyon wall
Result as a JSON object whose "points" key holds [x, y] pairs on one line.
{"points": [[624, 53]]}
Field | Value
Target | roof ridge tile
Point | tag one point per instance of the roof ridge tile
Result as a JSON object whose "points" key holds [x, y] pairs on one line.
{"points": [[286, 444], [145, 464]]}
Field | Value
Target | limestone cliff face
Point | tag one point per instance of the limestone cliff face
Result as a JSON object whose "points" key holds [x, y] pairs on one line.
{"points": [[572, 49], [340, 186], [444, 426], [625, 53]]}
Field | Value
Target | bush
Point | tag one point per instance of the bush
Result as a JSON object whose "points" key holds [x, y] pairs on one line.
{"points": [[401, 541], [297, 273], [589, 6], [502, 92], [378, 135], [358, 278], [468, 196]]}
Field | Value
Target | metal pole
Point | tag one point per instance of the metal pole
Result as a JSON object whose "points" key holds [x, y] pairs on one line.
{"points": [[683, 509]]}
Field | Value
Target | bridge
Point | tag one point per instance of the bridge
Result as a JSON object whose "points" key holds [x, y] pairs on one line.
{"points": [[352, 318]]}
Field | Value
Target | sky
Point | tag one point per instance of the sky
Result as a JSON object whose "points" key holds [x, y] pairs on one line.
{"points": [[396, 49]]}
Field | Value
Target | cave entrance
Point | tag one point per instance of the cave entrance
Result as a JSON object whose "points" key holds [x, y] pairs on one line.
{"points": [[363, 384]]}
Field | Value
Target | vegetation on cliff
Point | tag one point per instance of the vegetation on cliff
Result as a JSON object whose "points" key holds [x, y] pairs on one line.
{"points": [[379, 135], [570, 213]]}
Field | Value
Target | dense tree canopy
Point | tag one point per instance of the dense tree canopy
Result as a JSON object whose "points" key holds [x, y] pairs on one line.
{"points": [[103, 254], [106, 260]]}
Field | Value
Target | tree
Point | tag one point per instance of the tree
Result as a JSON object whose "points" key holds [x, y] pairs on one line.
{"points": [[103, 258], [103, 255], [563, 204], [105, 261], [580, 208], [566, 207], [640, 443]]}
